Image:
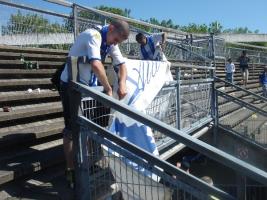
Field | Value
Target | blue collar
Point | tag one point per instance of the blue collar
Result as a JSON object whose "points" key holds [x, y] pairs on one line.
{"points": [[104, 49]]}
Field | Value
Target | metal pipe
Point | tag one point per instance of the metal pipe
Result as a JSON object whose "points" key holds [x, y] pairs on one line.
{"points": [[202, 147]]}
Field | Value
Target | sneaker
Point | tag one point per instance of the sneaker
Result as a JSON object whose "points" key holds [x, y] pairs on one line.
{"points": [[70, 177]]}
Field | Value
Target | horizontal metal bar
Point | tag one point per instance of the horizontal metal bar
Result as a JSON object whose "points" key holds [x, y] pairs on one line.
{"points": [[107, 14], [172, 151], [153, 160], [60, 2], [243, 103], [26, 7], [243, 138], [193, 53], [188, 131], [196, 81], [202, 147], [191, 66], [239, 88]]}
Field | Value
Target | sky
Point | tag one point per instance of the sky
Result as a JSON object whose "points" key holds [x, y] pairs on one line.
{"points": [[230, 13]]}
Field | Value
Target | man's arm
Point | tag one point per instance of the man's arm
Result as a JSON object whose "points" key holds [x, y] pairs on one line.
{"points": [[122, 90], [100, 72]]}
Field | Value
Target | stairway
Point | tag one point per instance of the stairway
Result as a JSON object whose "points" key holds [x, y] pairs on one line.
{"points": [[233, 115], [31, 151]]}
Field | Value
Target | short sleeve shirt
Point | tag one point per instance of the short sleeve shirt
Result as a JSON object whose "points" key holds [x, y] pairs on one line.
{"points": [[157, 39], [88, 43]]}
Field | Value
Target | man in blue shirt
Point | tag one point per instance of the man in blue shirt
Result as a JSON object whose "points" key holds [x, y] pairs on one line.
{"points": [[263, 81], [151, 46]]}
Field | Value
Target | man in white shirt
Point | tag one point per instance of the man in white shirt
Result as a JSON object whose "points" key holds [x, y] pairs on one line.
{"points": [[151, 46], [95, 44]]}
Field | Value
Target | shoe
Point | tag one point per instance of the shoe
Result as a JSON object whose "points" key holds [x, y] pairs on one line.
{"points": [[70, 177]]}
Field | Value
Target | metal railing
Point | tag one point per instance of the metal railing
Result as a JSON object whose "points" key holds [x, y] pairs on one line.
{"points": [[88, 128], [242, 112]]}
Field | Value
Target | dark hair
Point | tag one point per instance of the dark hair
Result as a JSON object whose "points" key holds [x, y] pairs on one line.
{"points": [[229, 60], [244, 52], [139, 37], [185, 165]]}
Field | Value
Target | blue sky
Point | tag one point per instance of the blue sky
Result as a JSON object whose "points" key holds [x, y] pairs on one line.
{"points": [[230, 13]]}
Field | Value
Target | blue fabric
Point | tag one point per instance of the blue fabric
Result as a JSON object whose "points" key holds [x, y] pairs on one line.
{"points": [[263, 78], [230, 77], [151, 46], [104, 49]]}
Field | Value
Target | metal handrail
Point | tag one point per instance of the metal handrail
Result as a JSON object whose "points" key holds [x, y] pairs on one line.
{"points": [[153, 160], [111, 15], [241, 89], [243, 103], [177, 135]]}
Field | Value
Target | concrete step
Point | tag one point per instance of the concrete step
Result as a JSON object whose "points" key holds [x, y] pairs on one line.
{"points": [[11, 73], [41, 157], [17, 64], [48, 184], [6, 48], [30, 132], [14, 96], [30, 111], [31, 56], [11, 83]]}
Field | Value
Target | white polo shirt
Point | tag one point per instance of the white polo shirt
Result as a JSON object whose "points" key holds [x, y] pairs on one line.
{"points": [[88, 43]]}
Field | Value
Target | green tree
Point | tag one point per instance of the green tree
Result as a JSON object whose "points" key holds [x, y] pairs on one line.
{"points": [[215, 27], [29, 23]]}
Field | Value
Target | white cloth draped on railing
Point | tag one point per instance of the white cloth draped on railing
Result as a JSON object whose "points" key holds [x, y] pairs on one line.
{"points": [[145, 79]]}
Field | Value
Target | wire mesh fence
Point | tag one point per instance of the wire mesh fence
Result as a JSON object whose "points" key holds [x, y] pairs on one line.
{"points": [[115, 172], [252, 191], [242, 120]]}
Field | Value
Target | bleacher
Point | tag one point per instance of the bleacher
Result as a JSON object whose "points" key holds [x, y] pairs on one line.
{"points": [[30, 133]]}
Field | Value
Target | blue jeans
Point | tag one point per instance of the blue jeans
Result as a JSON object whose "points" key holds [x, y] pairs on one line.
{"points": [[230, 77]]}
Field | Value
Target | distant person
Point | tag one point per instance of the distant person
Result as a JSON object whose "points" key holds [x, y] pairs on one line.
{"points": [[243, 64], [230, 69], [151, 46], [263, 82], [209, 180]]}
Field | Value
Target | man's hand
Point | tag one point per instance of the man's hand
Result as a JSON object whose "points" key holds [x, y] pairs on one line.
{"points": [[109, 93], [122, 91]]}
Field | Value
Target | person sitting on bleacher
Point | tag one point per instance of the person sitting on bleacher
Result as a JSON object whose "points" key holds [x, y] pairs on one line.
{"points": [[95, 44], [151, 46], [263, 82]]}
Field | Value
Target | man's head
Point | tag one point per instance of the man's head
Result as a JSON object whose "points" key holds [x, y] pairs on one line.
{"points": [[265, 69], [244, 53], [229, 60], [118, 31], [207, 179], [141, 38]]}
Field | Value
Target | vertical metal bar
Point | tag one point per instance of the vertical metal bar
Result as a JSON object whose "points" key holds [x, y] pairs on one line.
{"points": [[75, 21], [178, 99]]}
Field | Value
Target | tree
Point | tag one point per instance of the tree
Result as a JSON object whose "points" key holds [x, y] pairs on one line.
{"points": [[29, 23], [215, 27]]}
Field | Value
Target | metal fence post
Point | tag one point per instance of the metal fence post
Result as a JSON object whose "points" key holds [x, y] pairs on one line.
{"points": [[75, 21], [178, 99], [214, 98], [82, 185]]}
